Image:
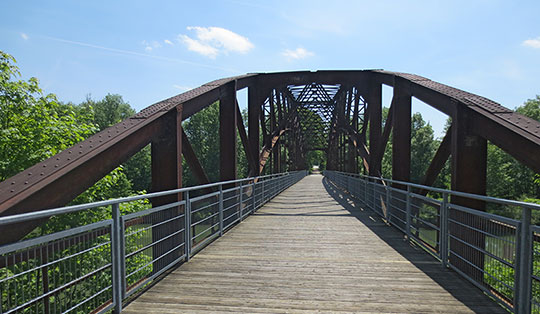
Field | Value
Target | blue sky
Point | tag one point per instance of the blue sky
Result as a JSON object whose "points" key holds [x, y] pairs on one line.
{"points": [[147, 51]]}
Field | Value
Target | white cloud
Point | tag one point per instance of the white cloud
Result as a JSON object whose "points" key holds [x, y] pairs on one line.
{"points": [[533, 43], [298, 53], [24, 36], [168, 42], [198, 46], [149, 46], [211, 41]]}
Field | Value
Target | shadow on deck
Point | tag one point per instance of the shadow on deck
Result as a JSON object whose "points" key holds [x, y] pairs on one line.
{"points": [[312, 249]]}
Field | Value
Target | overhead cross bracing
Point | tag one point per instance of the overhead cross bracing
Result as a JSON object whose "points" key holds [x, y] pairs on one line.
{"points": [[315, 105]]}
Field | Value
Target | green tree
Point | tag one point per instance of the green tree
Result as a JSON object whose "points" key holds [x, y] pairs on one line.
{"points": [[423, 147], [202, 129], [33, 126], [108, 111], [508, 178]]}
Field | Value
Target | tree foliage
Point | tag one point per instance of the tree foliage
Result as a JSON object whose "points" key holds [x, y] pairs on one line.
{"points": [[33, 126], [108, 111], [508, 178]]}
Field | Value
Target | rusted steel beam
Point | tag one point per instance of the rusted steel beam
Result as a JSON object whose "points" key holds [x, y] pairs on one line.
{"points": [[469, 155], [439, 160], [167, 175], [192, 161], [375, 125], [419, 89], [227, 132], [282, 79], [63, 185], [401, 144], [50, 183], [506, 134], [359, 146], [267, 149], [254, 108]]}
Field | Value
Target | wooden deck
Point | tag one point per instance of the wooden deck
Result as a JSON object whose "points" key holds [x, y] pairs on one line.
{"points": [[311, 250]]}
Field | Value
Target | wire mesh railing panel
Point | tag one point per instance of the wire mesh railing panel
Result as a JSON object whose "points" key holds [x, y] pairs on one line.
{"points": [[67, 271], [397, 204], [92, 268], [482, 248], [247, 200], [153, 241], [498, 253], [258, 194], [535, 280], [379, 200], [231, 208], [425, 222], [204, 217]]}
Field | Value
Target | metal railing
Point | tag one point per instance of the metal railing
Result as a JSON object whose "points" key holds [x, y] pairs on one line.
{"points": [[499, 255], [121, 245]]}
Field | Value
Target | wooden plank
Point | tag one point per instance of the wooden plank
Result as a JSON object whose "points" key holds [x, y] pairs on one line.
{"points": [[312, 250]]}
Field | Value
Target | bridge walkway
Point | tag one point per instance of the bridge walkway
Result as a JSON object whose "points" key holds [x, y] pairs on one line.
{"points": [[311, 249]]}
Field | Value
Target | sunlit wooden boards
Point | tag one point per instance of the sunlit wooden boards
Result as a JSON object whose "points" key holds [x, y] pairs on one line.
{"points": [[311, 250]]}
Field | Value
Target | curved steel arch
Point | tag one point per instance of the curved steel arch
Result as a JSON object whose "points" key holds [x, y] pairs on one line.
{"points": [[348, 101]]}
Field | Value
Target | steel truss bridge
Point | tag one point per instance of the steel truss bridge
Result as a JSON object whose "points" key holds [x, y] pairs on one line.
{"points": [[289, 115]]}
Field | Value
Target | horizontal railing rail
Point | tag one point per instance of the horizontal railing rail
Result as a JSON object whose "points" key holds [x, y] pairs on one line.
{"points": [[121, 245], [500, 255]]}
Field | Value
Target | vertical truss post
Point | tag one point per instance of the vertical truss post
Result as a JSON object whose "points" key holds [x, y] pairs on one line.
{"points": [[469, 168], [227, 131], [401, 146], [375, 125], [254, 108], [166, 175], [276, 158], [353, 155]]}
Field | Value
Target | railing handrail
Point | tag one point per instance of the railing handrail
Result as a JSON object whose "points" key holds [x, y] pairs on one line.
{"points": [[129, 249], [449, 192], [462, 238], [44, 213]]}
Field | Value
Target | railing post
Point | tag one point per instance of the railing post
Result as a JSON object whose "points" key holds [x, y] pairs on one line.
{"points": [[373, 197], [220, 206], [523, 277], [241, 200], [253, 197], [187, 226], [408, 213], [366, 184], [262, 193], [117, 258], [388, 206], [444, 230]]}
